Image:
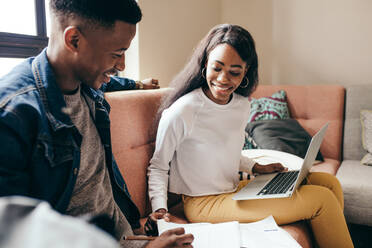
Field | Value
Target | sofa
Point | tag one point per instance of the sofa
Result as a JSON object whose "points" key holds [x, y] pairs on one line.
{"points": [[355, 178], [133, 132]]}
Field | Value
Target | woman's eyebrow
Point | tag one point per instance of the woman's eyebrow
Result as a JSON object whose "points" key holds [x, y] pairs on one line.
{"points": [[220, 62]]}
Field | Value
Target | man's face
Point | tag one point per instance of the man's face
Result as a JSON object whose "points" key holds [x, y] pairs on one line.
{"points": [[102, 53]]}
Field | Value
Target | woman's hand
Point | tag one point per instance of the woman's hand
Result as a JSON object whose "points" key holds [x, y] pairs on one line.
{"points": [[150, 225], [269, 168]]}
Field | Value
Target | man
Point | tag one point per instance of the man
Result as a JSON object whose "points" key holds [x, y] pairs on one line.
{"points": [[54, 122]]}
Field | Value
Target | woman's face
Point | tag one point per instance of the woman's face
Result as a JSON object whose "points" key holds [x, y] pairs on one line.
{"points": [[225, 71]]}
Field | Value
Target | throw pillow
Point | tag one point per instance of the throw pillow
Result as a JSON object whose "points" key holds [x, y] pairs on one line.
{"points": [[366, 119], [266, 108], [285, 135], [269, 108]]}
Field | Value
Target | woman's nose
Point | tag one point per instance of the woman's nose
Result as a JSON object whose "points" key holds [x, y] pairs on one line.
{"points": [[222, 77]]}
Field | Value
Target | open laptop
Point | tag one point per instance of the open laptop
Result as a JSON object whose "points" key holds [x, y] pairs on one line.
{"points": [[282, 184]]}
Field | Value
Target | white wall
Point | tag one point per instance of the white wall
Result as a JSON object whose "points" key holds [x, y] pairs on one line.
{"points": [[308, 42], [132, 66], [257, 17], [298, 41], [169, 31]]}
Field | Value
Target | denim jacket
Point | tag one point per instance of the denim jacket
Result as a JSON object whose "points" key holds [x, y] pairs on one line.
{"points": [[39, 145]]}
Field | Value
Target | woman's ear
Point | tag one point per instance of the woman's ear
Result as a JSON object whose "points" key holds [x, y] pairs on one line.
{"points": [[206, 63], [72, 38], [246, 70]]}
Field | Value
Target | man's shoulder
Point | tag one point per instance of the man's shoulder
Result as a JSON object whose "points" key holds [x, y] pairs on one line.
{"points": [[19, 98], [17, 82]]}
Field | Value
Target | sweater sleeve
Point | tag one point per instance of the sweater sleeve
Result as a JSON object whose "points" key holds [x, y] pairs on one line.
{"points": [[246, 164], [170, 133], [118, 83]]}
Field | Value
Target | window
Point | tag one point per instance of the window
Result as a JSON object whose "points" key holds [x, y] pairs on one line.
{"points": [[23, 31]]}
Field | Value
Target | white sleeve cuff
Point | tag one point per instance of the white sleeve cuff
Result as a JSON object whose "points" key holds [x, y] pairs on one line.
{"points": [[246, 164], [159, 202]]}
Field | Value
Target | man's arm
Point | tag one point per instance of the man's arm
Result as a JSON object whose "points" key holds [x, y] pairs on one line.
{"points": [[172, 238], [119, 83], [14, 177]]}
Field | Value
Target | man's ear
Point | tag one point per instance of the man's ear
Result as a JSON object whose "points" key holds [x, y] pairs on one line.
{"points": [[72, 37]]}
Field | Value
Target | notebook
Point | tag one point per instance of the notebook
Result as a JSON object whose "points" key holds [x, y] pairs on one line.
{"points": [[282, 184]]}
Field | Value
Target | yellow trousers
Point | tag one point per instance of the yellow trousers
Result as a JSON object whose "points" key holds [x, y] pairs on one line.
{"points": [[320, 201]]}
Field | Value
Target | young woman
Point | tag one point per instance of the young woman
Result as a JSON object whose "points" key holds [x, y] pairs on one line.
{"points": [[199, 142]]}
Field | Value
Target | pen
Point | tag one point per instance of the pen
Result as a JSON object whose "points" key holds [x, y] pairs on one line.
{"points": [[139, 237]]}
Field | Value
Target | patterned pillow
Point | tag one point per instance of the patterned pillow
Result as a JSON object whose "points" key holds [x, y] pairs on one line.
{"points": [[269, 108], [366, 119], [266, 108]]}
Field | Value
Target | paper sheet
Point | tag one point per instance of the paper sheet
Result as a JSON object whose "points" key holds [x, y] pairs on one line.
{"points": [[261, 234], [266, 233], [207, 235]]}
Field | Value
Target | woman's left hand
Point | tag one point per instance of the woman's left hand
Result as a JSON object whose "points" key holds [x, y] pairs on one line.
{"points": [[150, 227], [269, 168]]}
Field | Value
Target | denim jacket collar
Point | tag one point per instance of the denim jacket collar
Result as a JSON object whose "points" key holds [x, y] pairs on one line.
{"points": [[52, 96]]}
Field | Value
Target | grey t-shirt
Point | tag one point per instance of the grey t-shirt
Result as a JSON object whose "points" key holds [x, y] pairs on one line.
{"points": [[92, 193]]}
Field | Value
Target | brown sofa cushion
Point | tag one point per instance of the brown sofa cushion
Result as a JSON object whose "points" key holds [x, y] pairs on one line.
{"points": [[132, 133]]}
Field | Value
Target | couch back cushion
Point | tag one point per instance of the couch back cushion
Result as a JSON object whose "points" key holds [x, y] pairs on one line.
{"points": [[312, 106], [358, 97], [132, 133]]}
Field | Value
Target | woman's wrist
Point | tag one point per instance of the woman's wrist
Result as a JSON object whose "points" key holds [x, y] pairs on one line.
{"points": [[254, 168], [161, 210]]}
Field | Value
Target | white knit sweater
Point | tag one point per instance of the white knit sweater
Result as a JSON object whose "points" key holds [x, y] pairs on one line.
{"points": [[198, 148]]}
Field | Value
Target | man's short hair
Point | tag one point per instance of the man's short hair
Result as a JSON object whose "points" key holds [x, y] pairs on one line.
{"points": [[103, 12]]}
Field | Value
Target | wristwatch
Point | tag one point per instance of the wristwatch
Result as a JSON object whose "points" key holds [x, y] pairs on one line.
{"points": [[139, 85]]}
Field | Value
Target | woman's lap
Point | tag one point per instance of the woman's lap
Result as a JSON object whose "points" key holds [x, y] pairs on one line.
{"points": [[303, 204]]}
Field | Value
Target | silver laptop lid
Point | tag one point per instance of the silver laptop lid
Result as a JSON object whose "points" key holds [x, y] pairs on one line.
{"points": [[311, 153]]}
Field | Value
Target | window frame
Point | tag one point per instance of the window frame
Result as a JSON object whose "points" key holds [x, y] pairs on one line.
{"points": [[13, 45]]}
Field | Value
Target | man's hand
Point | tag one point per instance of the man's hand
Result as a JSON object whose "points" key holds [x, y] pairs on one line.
{"points": [[150, 83], [171, 239], [269, 168]]}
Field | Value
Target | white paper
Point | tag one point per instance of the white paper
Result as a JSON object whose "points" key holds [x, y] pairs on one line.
{"points": [[261, 234], [266, 233], [207, 235]]}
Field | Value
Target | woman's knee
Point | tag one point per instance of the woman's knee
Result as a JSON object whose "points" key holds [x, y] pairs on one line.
{"points": [[324, 198], [329, 181], [317, 178]]}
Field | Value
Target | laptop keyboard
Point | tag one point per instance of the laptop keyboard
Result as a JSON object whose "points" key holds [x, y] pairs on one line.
{"points": [[280, 183]]}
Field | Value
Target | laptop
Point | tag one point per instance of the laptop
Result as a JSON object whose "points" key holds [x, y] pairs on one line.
{"points": [[282, 184]]}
